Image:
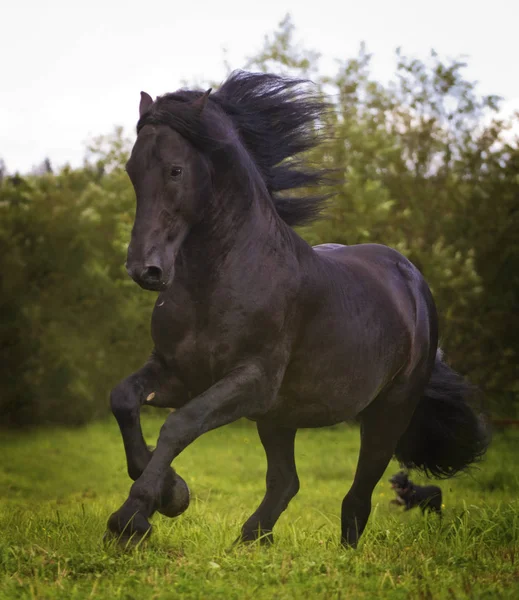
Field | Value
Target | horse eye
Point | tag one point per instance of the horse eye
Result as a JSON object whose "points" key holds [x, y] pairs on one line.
{"points": [[175, 172]]}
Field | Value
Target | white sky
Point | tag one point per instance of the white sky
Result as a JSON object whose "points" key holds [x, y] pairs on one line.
{"points": [[74, 69]]}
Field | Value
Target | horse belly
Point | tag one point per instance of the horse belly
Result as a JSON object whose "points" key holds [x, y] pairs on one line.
{"points": [[320, 398], [302, 413], [334, 379]]}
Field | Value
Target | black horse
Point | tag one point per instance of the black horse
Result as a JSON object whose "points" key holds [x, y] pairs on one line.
{"points": [[252, 322]]}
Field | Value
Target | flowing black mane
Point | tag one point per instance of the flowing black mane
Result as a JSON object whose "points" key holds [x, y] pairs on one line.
{"points": [[275, 118]]}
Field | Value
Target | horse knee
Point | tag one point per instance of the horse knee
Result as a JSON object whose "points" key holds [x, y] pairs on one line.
{"points": [[124, 400]]}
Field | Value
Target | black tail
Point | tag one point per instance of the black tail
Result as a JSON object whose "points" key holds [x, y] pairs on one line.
{"points": [[445, 435]]}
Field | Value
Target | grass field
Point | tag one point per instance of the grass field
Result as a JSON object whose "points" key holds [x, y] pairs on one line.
{"points": [[57, 488]]}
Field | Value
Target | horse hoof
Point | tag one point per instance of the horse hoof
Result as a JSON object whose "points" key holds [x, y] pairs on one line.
{"points": [[349, 543], [127, 528], [175, 496], [263, 538]]}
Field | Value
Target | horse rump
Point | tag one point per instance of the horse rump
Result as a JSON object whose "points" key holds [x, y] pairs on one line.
{"points": [[445, 434]]}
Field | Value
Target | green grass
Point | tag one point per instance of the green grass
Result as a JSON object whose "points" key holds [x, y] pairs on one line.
{"points": [[57, 488]]}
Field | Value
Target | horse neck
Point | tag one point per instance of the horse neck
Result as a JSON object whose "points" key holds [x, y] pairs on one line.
{"points": [[237, 233]]}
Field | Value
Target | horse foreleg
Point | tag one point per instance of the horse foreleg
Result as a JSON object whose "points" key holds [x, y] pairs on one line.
{"points": [[282, 481], [241, 393], [126, 400]]}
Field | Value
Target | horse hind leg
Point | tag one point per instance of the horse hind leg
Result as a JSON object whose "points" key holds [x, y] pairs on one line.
{"points": [[382, 424], [282, 482]]}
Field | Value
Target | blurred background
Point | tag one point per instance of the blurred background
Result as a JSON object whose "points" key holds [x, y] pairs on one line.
{"points": [[425, 134]]}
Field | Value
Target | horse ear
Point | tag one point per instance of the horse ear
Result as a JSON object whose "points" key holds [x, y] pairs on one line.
{"points": [[200, 103], [145, 103]]}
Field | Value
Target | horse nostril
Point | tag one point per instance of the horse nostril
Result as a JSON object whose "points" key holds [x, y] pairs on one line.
{"points": [[152, 274]]}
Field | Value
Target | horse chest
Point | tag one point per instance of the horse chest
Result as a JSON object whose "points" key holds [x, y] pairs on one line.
{"points": [[196, 358], [198, 350]]}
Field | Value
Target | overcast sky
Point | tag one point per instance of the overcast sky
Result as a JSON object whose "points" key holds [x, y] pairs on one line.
{"points": [[72, 70]]}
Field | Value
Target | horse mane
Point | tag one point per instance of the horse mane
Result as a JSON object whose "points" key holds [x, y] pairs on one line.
{"points": [[275, 119]]}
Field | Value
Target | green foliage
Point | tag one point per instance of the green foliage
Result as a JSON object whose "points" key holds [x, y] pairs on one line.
{"points": [[72, 322], [57, 488], [423, 165]]}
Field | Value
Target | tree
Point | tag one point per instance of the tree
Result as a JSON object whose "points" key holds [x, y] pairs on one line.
{"points": [[73, 324]]}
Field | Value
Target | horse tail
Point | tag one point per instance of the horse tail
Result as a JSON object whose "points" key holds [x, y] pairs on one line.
{"points": [[445, 434]]}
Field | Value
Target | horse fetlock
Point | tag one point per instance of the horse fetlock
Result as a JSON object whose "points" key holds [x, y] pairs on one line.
{"points": [[355, 515], [352, 528], [350, 540]]}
